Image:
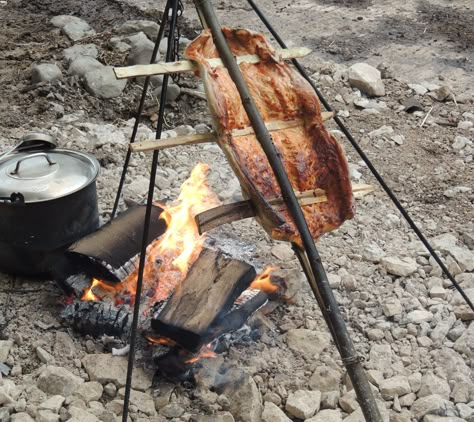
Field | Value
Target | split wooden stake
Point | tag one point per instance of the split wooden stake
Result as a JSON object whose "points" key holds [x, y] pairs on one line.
{"points": [[188, 66], [228, 213], [201, 138]]}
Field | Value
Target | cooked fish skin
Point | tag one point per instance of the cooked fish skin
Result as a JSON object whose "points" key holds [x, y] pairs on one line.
{"points": [[312, 157]]}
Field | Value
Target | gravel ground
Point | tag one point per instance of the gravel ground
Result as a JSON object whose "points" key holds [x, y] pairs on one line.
{"points": [[413, 330]]}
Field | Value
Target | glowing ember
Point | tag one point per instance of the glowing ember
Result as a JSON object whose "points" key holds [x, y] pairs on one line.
{"points": [[205, 352], [263, 281], [161, 340]]}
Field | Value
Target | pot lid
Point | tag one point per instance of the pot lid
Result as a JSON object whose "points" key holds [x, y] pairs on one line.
{"points": [[47, 174]]}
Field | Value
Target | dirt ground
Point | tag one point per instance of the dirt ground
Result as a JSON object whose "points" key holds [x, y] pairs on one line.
{"points": [[417, 41]]}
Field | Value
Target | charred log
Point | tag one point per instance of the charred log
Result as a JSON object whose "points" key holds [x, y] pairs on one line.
{"points": [[207, 294], [110, 253], [98, 318], [75, 284]]}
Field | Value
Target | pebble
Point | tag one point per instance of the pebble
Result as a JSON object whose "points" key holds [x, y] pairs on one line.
{"points": [[367, 79], [419, 89], [419, 316], [80, 50], [395, 386], [392, 308], [5, 347], [43, 355], [45, 72], [401, 267], [89, 391], [303, 404]]}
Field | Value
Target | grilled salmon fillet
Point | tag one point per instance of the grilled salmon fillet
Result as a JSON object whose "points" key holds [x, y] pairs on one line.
{"points": [[312, 157]]}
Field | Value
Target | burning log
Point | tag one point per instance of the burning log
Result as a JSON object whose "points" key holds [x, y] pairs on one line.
{"points": [[207, 294], [110, 252], [98, 318]]}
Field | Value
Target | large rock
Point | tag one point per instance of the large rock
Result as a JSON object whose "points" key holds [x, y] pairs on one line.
{"points": [[106, 368], [45, 72], [83, 64], [102, 83], [150, 28], [428, 405], [325, 378], [463, 256], [303, 404], [80, 50], [308, 342], [399, 267], [74, 27], [367, 79], [58, 381], [395, 386], [243, 394], [272, 413], [431, 384]]}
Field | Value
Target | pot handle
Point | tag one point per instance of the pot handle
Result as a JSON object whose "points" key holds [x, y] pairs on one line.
{"points": [[38, 154]]}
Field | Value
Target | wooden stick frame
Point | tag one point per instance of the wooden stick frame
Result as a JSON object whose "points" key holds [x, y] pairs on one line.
{"points": [[188, 66], [229, 213], [201, 138]]}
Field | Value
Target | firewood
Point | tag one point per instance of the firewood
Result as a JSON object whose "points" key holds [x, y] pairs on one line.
{"points": [[188, 66], [209, 290], [228, 213]]}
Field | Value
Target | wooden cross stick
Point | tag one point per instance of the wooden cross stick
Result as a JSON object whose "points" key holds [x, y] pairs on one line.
{"points": [[201, 138], [223, 214], [188, 66]]}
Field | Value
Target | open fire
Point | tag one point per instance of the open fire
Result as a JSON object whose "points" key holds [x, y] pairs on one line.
{"points": [[169, 259]]}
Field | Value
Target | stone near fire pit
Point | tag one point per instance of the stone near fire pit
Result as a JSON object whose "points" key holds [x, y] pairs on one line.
{"points": [[89, 391], [22, 417], [74, 27], [106, 368], [303, 404], [399, 267], [45, 72], [243, 394], [367, 79], [102, 83], [325, 378], [56, 380], [272, 413], [143, 401], [53, 404], [327, 415], [308, 342]]}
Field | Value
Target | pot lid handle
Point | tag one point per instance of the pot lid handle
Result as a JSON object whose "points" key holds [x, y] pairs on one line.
{"points": [[16, 170]]}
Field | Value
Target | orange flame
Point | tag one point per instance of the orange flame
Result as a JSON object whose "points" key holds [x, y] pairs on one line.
{"points": [[169, 258], [161, 340], [263, 281], [88, 293], [205, 352]]}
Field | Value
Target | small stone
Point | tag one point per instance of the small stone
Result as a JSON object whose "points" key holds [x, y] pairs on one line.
{"points": [[53, 404], [45, 72], [399, 267], [459, 143], [58, 381], [5, 346], [429, 405], [465, 124], [303, 404], [443, 93], [419, 89], [392, 308], [380, 357], [21, 417], [438, 292], [272, 413], [80, 50], [367, 79], [142, 401], [283, 252], [464, 343], [325, 378], [82, 415], [381, 131], [74, 27], [395, 386], [110, 390], [326, 415], [172, 93], [43, 355], [419, 316], [375, 377], [172, 410], [334, 280], [83, 64], [47, 416], [89, 391], [348, 402], [435, 418], [272, 397], [106, 368], [407, 400], [330, 399], [5, 398], [102, 83], [461, 392], [307, 342]]}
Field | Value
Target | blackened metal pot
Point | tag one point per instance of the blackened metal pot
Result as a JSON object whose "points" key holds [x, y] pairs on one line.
{"points": [[48, 201]]}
